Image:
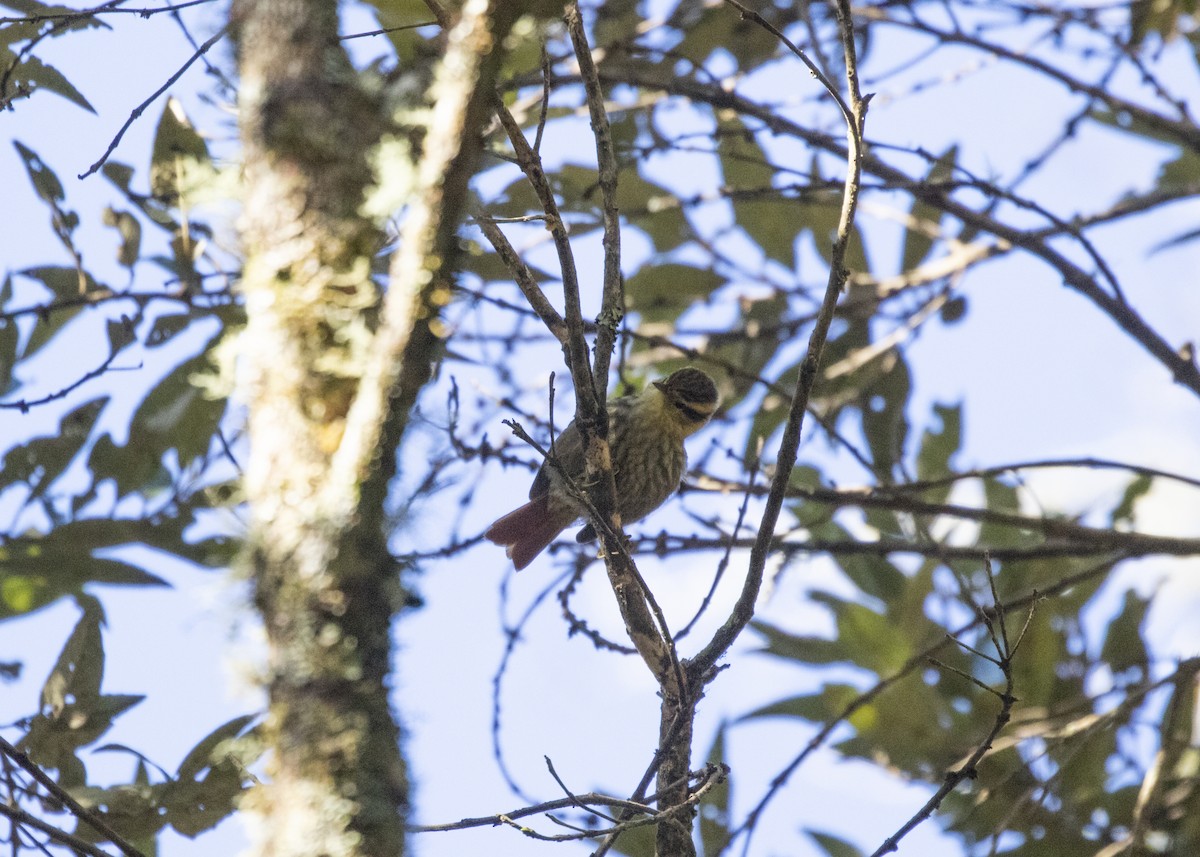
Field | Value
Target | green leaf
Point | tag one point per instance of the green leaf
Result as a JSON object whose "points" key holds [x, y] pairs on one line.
{"points": [[42, 460], [714, 808], [180, 157], [924, 220], [911, 728], [1181, 173], [1137, 488], [866, 638], [810, 707], [200, 757], [50, 190], [76, 676], [36, 571], [133, 467], [45, 181], [66, 284], [33, 71], [744, 164], [954, 310], [120, 332], [177, 414], [718, 28], [999, 496], [119, 174], [803, 649], [772, 224], [654, 209], [515, 200], [397, 17], [194, 806], [1124, 644], [10, 340], [830, 702], [769, 221], [834, 846], [1165, 18], [52, 741], [637, 842], [19, 593], [661, 293], [819, 211], [873, 575], [487, 265], [938, 447], [130, 232], [167, 327], [884, 412]]}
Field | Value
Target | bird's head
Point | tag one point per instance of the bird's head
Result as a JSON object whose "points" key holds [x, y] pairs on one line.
{"points": [[690, 399]]}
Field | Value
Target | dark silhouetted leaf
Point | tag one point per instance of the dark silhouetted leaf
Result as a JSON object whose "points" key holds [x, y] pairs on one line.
{"points": [[200, 757], [924, 219], [834, 846], [664, 292]]}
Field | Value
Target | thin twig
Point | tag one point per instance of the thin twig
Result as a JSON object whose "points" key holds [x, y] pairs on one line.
{"points": [[724, 562], [612, 308], [913, 663], [993, 621], [141, 108], [855, 114], [25, 405], [579, 802], [20, 817], [103, 9], [525, 280], [85, 815]]}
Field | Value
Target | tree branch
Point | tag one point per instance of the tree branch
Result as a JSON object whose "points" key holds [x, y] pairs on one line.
{"points": [[855, 112]]}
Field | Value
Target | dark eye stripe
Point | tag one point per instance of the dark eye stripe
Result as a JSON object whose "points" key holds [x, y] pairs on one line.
{"points": [[691, 413]]}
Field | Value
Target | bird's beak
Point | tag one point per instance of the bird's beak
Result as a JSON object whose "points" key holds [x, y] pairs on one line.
{"points": [[659, 384]]}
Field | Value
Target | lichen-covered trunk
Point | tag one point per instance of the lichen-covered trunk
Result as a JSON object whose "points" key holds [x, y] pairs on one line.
{"points": [[328, 396], [323, 582]]}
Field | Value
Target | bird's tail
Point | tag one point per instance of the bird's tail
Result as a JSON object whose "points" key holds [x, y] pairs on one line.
{"points": [[526, 531]]}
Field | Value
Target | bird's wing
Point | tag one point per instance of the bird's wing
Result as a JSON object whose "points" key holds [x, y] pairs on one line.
{"points": [[568, 449]]}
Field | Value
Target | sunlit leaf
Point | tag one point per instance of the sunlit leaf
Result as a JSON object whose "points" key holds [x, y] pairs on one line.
{"points": [[77, 674], [180, 156]]}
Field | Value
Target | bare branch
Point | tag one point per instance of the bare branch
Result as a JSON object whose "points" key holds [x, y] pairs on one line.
{"points": [[855, 113], [613, 303], [137, 112]]}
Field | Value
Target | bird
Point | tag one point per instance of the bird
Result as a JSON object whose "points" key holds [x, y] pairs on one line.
{"points": [[645, 435]]}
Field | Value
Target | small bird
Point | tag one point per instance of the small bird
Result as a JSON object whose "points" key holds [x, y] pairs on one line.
{"points": [[645, 436]]}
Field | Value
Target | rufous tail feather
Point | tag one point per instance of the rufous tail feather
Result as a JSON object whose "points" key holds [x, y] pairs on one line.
{"points": [[527, 531]]}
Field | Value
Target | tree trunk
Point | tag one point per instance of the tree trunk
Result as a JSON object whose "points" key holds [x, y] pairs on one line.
{"points": [[324, 584], [329, 397]]}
